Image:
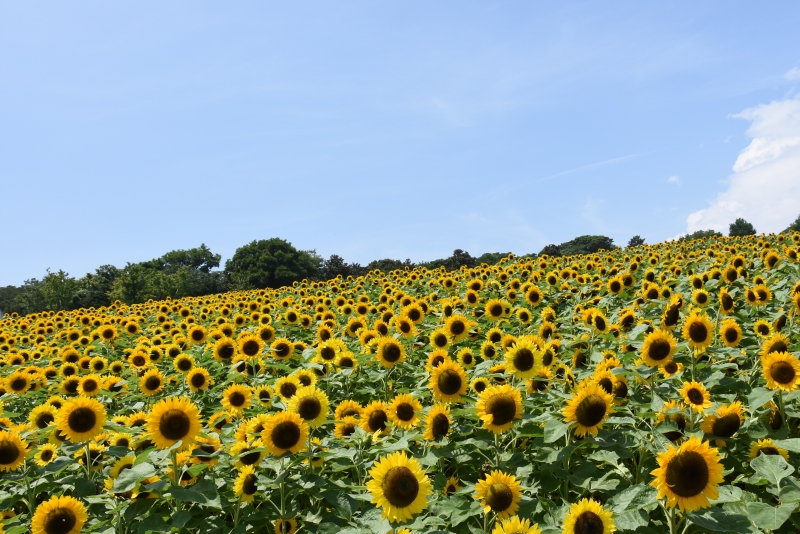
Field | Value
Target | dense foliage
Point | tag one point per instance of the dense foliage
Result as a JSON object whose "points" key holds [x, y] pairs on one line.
{"points": [[645, 390]]}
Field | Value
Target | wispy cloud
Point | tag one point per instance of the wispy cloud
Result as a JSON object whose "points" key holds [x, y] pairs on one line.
{"points": [[674, 180], [793, 74], [592, 166]]}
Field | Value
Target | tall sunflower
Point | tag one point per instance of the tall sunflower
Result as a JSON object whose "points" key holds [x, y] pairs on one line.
{"points": [[658, 348], [448, 382], [81, 419], [437, 423], [688, 476], [696, 396], [498, 407], [285, 432], [587, 409], [588, 516], [399, 487], [698, 331], [500, 493], [404, 411], [781, 371], [515, 525], [311, 404], [524, 359], [12, 451], [59, 515], [171, 420]]}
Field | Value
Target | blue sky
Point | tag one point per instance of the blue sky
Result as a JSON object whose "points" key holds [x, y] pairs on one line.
{"points": [[377, 129]]}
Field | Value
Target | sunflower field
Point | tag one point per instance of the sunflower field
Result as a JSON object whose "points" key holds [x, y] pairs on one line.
{"points": [[651, 390]]}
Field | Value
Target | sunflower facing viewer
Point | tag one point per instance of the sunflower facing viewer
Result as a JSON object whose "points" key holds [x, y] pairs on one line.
{"points": [[688, 476], [399, 486]]}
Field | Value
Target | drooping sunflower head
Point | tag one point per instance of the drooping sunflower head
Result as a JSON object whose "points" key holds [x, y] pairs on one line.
{"points": [[174, 419], [588, 408], [498, 406], [725, 421], [399, 487], [781, 370], [588, 516], [500, 493], [448, 382], [688, 476]]}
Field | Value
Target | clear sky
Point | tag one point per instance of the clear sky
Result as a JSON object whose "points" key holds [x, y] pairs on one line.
{"points": [[388, 129]]}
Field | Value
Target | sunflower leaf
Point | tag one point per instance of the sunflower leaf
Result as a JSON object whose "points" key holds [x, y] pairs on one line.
{"points": [[769, 517], [553, 430], [718, 520], [772, 468], [759, 397], [128, 479], [792, 445], [633, 498]]}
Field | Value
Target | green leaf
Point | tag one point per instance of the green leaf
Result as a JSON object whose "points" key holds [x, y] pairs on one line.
{"points": [[631, 520], [204, 492], [769, 517], [153, 523], [344, 505], [773, 468], [718, 520], [633, 498], [553, 430], [792, 445], [759, 397], [128, 479], [84, 487], [464, 510], [180, 519]]}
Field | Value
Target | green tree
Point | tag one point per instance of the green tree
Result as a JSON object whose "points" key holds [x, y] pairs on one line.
{"points": [[551, 250], [700, 234], [8, 299], [587, 244], [740, 227], [635, 241], [94, 288], [59, 290], [388, 264], [270, 263], [491, 258], [794, 226]]}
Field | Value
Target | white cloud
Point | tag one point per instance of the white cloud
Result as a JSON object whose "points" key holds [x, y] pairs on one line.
{"points": [[674, 180], [793, 74], [765, 185]]}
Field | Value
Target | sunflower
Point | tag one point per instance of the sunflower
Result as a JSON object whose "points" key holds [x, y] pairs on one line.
{"points": [[264, 395], [311, 404], [347, 360], [348, 408], [285, 526], [673, 411], [224, 349], [479, 384], [499, 493], [698, 331], [345, 426], [688, 475], [495, 309], [404, 411], [18, 383], [151, 383], [247, 453], [285, 432], [81, 419], [498, 407], [59, 515], [399, 487], [448, 382], [437, 423], [730, 332], [515, 525], [249, 344], [246, 484], [588, 516], [781, 371], [762, 328], [777, 343], [42, 416], [198, 379], [658, 348], [725, 421], [184, 363], [389, 352], [126, 462], [696, 396], [375, 417], [237, 398], [197, 335], [457, 326], [12, 451], [524, 359], [671, 368], [767, 446], [45, 454], [588, 409], [171, 420], [286, 387], [465, 358]]}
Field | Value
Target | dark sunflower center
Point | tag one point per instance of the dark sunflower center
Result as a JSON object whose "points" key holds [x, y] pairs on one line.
{"points": [[19, 384], [440, 425], [523, 359], [197, 335], [458, 328], [139, 360], [264, 395], [499, 497], [8, 452], [600, 323], [782, 372], [184, 364], [400, 487], [237, 399], [591, 410], [174, 424], [288, 390], [377, 420], [698, 332], [763, 329], [695, 396], [90, 385], [309, 407], [496, 310], [46, 455], [607, 384], [283, 350], [726, 426], [43, 420], [250, 458], [59, 521], [348, 429], [250, 347], [249, 485], [198, 379], [82, 420], [502, 407], [345, 361], [687, 474], [702, 298], [588, 523], [480, 387], [285, 435], [152, 382], [771, 451], [731, 335], [778, 346], [226, 351], [659, 349], [405, 412], [489, 352], [449, 382], [391, 353]]}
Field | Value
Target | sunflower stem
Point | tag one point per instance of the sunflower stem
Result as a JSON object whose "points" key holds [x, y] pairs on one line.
{"points": [[88, 461], [782, 410], [238, 513], [310, 454], [497, 451]]}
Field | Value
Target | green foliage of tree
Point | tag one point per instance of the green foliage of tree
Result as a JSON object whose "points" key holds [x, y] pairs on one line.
{"points": [[635, 241], [387, 265], [700, 234], [456, 261], [740, 227], [8, 299], [491, 258], [551, 250], [587, 244], [94, 288], [271, 263], [794, 226]]}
